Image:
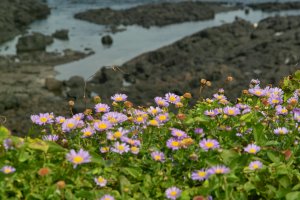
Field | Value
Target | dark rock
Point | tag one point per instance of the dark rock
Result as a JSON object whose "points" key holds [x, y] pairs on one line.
{"points": [[75, 81], [107, 40], [33, 42], [275, 6], [53, 85], [61, 34], [159, 14]]}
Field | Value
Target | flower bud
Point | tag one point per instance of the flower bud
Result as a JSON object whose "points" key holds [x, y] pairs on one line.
{"points": [[61, 184], [187, 95]]}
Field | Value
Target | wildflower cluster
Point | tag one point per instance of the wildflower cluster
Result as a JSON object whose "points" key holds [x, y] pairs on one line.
{"points": [[217, 149]]}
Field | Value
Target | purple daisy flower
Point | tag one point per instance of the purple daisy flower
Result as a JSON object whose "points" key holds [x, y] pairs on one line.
{"points": [[78, 116], [114, 117], [52, 138], [100, 181], [254, 165], [153, 111], [208, 144], [60, 119], [280, 110], [107, 197], [172, 98], [275, 100], [257, 91], [198, 130], [88, 132], [252, 148], [8, 144], [255, 82], [119, 97], [178, 133], [281, 131], [173, 144], [219, 169], [200, 175], [104, 149], [173, 193], [162, 118], [161, 102], [219, 97], [102, 125], [297, 116], [42, 118], [158, 156], [8, 169], [134, 150], [231, 111], [69, 125], [78, 158], [102, 108], [120, 148]]}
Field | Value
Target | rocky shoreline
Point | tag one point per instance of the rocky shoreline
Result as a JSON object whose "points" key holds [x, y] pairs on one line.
{"points": [[241, 50], [155, 14], [16, 15], [271, 7]]}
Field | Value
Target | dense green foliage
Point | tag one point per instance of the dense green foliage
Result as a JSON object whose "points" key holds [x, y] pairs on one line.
{"points": [[42, 170]]}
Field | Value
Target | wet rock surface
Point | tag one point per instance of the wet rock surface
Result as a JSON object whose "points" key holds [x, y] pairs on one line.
{"points": [[33, 42], [28, 86], [240, 50], [62, 34], [270, 7], [15, 15], [154, 14]]}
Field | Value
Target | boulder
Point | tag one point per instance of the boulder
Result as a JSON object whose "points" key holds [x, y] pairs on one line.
{"points": [[75, 81], [33, 42], [107, 40], [62, 34], [52, 84]]}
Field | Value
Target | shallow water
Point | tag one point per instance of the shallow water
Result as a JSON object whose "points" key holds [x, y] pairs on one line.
{"points": [[126, 45]]}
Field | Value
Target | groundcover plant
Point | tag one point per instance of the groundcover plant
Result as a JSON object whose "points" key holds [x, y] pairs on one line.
{"points": [[216, 149]]}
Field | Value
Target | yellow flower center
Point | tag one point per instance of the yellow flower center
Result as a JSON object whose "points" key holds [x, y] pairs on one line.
{"points": [[173, 193], [87, 133], [281, 131], [139, 119], [255, 166], [121, 147], [119, 98], [154, 111], [101, 109], [130, 141], [172, 98], [230, 112], [160, 102], [43, 119], [77, 159], [70, 125], [117, 134], [101, 179], [153, 122], [258, 92], [112, 119], [162, 117], [175, 143], [252, 150], [62, 120], [102, 126], [178, 134], [134, 149], [7, 170], [201, 174], [157, 157], [209, 144], [219, 171], [275, 101]]}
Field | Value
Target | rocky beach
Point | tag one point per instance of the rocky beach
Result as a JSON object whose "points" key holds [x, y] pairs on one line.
{"points": [[242, 50]]}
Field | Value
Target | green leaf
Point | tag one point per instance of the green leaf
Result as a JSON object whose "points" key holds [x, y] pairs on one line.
{"points": [[37, 144], [297, 75], [293, 196], [54, 147], [132, 172], [259, 135], [274, 158], [247, 117], [284, 181], [23, 156], [4, 133], [249, 186], [124, 183]]}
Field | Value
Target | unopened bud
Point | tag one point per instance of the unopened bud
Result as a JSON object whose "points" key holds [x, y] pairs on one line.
{"points": [[180, 116], [229, 78], [97, 99], [71, 103], [115, 103], [61, 184], [128, 104], [187, 95], [208, 83], [88, 112], [203, 81], [245, 92]]}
